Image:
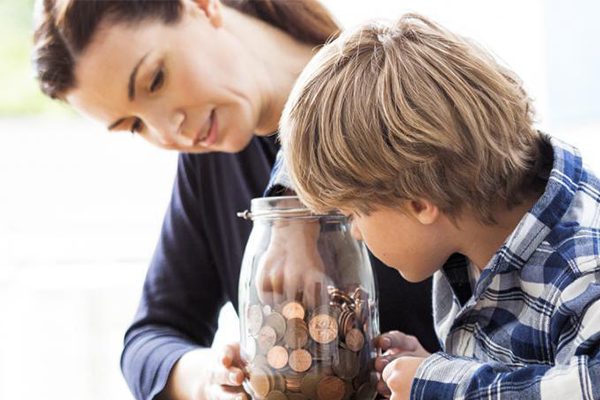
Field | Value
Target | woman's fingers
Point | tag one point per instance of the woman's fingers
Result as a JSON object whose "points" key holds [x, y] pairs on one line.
{"points": [[231, 376], [230, 355], [217, 392]]}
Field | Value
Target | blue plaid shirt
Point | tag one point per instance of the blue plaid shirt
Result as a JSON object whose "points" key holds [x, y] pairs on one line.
{"points": [[529, 328]]}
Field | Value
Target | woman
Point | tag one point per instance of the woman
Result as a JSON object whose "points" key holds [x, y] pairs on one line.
{"points": [[196, 76]]}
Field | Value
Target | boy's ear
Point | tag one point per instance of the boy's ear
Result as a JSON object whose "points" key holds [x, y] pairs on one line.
{"points": [[212, 10], [424, 211]]}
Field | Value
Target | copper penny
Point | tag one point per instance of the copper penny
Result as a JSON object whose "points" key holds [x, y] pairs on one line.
{"points": [[296, 334], [277, 357], [266, 338], [259, 382], [255, 319], [296, 396], [355, 340], [277, 395], [331, 388], [323, 328], [293, 309], [300, 360]]}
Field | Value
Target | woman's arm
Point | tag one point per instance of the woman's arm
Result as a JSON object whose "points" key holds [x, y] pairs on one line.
{"points": [[181, 299]]}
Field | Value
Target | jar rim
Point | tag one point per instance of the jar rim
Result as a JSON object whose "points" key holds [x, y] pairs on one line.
{"points": [[281, 207]]}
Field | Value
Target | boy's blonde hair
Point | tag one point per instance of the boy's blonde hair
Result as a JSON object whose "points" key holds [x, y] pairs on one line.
{"points": [[409, 111]]}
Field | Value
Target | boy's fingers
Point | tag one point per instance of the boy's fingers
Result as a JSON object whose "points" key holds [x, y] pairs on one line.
{"points": [[397, 340], [383, 389], [387, 371], [382, 361]]}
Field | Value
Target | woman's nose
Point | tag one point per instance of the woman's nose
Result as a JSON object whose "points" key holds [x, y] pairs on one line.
{"points": [[167, 128]]}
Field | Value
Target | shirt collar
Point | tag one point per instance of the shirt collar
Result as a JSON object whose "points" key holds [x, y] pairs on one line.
{"points": [[535, 225]]}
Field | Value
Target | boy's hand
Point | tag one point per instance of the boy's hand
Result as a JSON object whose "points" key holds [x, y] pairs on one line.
{"points": [[399, 375], [395, 344], [291, 268]]}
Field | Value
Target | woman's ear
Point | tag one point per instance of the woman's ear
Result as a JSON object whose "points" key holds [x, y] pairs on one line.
{"points": [[212, 9], [424, 211]]}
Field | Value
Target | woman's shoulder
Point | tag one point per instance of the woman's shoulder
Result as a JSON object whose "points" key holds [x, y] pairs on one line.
{"points": [[251, 166], [259, 148]]}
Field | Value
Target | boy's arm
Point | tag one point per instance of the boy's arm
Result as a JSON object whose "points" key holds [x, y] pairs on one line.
{"points": [[575, 329]]}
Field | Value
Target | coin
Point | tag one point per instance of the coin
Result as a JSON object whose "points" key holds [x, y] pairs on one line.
{"points": [[278, 381], [277, 322], [250, 349], [333, 310], [259, 382], [347, 365], [277, 395], [367, 391], [260, 360], [293, 380], [323, 328], [277, 357], [331, 388], [323, 352], [296, 334], [266, 338], [293, 309], [348, 391], [308, 386], [267, 310], [296, 396], [355, 340], [255, 319], [300, 360], [346, 321]]}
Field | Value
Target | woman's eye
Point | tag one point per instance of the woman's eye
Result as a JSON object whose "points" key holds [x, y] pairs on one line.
{"points": [[137, 126], [157, 81]]}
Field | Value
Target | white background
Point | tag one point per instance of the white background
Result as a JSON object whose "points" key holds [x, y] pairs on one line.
{"points": [[81, 209]]}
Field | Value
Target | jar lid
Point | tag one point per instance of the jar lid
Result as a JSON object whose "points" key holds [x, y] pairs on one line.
{"points": [[280, 207]]}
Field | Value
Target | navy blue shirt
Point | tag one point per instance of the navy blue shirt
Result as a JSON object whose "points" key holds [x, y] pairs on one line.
{"points": [[196, 267]]}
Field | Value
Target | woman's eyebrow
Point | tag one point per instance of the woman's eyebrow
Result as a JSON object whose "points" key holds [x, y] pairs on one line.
{"points": [[131, 86], [130, 89]]}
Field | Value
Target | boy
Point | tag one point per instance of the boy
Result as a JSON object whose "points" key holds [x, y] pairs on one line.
{"points": [[428, 144]]}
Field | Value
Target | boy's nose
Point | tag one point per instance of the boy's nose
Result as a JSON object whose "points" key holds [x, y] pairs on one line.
{"points": [[355, 231]]}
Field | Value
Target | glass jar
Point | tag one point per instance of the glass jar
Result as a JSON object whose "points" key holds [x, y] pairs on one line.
{"points": [[308, 306]]}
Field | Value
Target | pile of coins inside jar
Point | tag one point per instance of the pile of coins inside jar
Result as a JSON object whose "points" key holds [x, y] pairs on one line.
{"points": [[320, 354]]}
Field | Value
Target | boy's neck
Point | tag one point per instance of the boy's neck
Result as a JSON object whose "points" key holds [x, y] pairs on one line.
{"points": [[479, 242]]}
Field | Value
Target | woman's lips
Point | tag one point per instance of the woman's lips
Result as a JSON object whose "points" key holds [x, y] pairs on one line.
{"points": [[210, 136]]}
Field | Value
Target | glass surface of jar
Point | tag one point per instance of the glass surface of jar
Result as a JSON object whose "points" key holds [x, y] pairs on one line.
{"points": [[308, 306]]}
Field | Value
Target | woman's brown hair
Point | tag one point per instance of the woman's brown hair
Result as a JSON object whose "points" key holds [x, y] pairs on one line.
{"points": [[66, 27]]}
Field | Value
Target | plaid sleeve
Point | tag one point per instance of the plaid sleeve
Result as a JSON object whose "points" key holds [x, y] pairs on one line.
{"points": [[280, 180], [575, 333]]}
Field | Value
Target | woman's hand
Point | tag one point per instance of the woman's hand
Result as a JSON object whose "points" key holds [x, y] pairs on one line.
{"points": [[395, 344], [291, 268], [203, 375]]}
